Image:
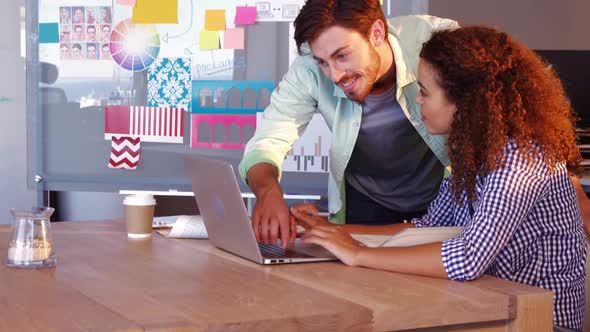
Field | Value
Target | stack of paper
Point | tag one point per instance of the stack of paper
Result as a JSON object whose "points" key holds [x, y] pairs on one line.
{"points": [[409, 237], [191, 227]]}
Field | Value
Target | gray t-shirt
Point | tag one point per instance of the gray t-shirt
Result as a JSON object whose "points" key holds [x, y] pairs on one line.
{"points": [[391, 163]]}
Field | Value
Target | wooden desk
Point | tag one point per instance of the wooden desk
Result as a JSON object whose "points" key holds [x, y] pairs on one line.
{"points": [[105, 282]]}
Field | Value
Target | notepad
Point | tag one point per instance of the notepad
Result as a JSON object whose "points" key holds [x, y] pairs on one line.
{"points": [[409, 237], [183, 226]]}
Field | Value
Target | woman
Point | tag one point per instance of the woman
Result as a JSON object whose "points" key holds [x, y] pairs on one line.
{"points": [[512, 144], [65, 16]]}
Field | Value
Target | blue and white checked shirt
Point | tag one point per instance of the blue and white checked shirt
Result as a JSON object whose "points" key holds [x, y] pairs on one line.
{"points": [[526, 228]]}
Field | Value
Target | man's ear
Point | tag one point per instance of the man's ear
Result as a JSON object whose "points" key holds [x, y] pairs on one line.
{"points": [[377, 33]]}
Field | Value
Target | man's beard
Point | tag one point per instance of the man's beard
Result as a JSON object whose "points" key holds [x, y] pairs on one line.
{"points": [[370, 76]]}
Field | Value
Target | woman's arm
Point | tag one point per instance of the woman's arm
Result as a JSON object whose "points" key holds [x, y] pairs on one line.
{"points": [[424, 260], [303, 214]]}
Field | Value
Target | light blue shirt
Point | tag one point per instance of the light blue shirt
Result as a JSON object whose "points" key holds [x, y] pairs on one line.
{"points": [[305, 90]]}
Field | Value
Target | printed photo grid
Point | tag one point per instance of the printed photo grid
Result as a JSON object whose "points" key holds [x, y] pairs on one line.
{"points": [[84, 32]]}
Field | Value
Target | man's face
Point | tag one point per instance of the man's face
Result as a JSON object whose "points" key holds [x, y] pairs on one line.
{"points": [[91, 34], [91, 52], [348, 59]]}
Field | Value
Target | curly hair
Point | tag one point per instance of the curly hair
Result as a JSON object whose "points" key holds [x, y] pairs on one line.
{"points": [[502, 91]]}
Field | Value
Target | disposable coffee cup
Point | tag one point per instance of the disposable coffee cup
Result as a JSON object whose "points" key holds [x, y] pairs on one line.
{"points": [[139, 215]]}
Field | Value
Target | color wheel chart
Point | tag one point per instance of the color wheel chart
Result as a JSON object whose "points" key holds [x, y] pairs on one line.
{"points": [[134, 46]]}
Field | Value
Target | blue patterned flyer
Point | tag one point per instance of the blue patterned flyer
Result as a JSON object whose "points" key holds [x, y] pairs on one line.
{"points": [[169, 83]]}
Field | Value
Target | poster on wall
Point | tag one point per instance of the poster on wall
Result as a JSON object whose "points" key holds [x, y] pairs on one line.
{"points": [[84, 30]]}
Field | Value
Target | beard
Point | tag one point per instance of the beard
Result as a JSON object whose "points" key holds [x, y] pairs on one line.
{"points": [[370, 76]]}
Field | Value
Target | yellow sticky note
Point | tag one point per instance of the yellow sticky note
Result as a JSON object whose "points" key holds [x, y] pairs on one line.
{"points": [[208, 40], [155, 11], [215, 19]]}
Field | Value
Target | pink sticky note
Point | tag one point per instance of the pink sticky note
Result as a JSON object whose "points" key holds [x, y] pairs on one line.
{"points": [[233, 39], [245, 15], [126, 2]]}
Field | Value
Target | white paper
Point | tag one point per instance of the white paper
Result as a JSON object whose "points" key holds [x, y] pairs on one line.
{"points": [[310, 153], [409, 237], [372, 241], [188, 227]]}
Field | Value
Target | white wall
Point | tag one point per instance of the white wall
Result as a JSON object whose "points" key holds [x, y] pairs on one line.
{"points": [[13, 146], [541, 24]]}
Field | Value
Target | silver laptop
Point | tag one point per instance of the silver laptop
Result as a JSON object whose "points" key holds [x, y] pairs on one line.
{"points": [[226, 219]]}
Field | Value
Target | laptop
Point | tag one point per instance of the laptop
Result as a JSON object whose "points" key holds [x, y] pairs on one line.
{"points": [[226, 219]]}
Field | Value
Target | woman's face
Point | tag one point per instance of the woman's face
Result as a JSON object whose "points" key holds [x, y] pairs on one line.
{"points": [[437, 110], [78, 15]]}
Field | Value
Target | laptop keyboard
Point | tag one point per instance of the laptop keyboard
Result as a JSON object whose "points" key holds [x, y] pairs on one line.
{"points": [[276, 251]]}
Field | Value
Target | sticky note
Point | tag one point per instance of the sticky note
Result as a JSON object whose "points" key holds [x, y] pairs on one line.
{"points": [[155, 11], [215, 19], [245, 15], [126, 2], [48, 33], [208, 40], [234, 39]]}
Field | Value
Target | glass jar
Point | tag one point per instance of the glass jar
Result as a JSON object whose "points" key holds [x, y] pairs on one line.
{"points": [[30, 244]]}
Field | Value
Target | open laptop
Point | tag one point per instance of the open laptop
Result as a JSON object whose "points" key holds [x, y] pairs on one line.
{"points": [[226, 219]]}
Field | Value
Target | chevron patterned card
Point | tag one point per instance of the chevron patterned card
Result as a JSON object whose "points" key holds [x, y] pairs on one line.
{"points": [[125, 151], [169, 83]]}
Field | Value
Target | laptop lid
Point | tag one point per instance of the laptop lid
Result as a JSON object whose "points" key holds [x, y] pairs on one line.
{"points": [[220, 202]]}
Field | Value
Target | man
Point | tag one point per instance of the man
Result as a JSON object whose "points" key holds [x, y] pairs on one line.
{"points": [[360, 73]]}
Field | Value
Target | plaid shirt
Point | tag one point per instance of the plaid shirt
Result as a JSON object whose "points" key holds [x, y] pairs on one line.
{"points": [[526, 227]]}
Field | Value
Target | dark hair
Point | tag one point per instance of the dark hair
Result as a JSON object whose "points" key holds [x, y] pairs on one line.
{"points": [[318, 15], [78, 46], [502, 91]]}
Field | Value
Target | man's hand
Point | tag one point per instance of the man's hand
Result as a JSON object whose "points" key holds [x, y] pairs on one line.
{"points": [[271, 216]]}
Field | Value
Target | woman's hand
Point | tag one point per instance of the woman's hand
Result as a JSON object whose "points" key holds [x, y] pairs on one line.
{"points": [[335, 240], [303, 215]]}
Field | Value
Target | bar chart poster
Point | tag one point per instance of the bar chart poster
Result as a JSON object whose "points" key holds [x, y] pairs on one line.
{"points": [[310, 151]]}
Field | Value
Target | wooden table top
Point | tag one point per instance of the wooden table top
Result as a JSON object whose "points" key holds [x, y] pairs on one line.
{"points": [[105, 281]]}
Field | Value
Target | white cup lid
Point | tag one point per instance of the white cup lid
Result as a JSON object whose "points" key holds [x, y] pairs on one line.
{"points": [[139, 199]]}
